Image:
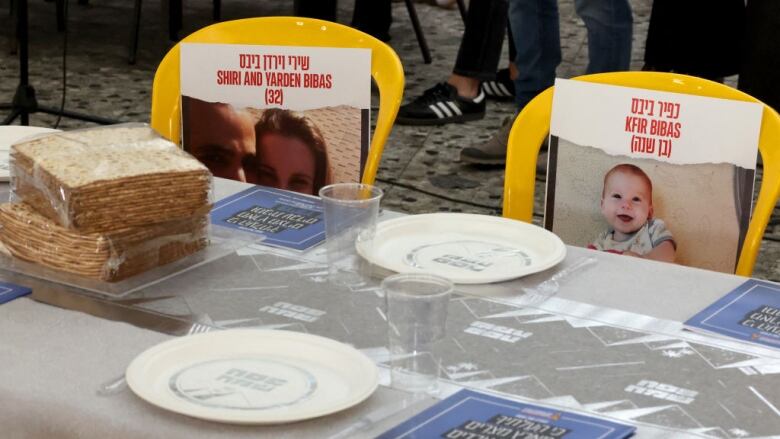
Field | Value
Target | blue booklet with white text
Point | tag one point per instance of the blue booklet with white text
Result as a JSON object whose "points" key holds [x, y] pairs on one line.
{"points": [[750, 312], [9, 291], [286, 219], [469, 414]]}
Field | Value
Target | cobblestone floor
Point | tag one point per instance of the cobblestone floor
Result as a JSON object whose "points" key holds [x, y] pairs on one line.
{"points": [[420, 168]]}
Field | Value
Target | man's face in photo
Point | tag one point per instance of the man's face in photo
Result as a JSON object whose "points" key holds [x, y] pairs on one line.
{"points": [[223, 139]]}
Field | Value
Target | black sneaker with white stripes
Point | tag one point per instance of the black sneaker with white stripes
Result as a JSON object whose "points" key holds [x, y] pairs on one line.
{"points": [[439, 105], [502, 88]]}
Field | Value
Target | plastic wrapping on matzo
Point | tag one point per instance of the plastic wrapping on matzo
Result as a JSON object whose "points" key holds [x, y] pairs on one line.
{"points": [[112, 256], [109, 178]]}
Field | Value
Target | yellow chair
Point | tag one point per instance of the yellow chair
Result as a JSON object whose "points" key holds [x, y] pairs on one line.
{"points": [[386, 69], [532, 125]]}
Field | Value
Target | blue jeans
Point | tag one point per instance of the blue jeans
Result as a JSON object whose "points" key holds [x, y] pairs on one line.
{"points": [[536, 32]]}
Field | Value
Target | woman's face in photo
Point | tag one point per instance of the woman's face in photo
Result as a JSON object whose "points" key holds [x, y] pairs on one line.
{"points": [[285, 163]]}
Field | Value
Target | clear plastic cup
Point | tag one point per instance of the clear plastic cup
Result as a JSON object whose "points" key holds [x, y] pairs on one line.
{"points": [[416, 316], [350, 211]]}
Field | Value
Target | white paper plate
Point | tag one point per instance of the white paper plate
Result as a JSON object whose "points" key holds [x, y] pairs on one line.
{"points": [[247, 376], [10, 134], [465, 248]]}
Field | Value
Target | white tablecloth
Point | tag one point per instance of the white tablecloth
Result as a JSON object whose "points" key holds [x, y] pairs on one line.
{"points": [[55, 360]]}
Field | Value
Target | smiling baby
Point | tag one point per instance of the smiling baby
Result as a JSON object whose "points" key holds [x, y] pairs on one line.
{"points": [[627, 206]]}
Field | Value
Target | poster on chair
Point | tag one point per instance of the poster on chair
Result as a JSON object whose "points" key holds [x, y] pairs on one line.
{"points": [[290, 117], [651, 174]]}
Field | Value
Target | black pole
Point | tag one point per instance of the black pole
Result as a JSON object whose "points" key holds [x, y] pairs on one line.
{"points": [[22, 34], [24, 102]]}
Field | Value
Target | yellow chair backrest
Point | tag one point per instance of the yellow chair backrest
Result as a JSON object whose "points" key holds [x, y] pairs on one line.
{"points": [[532, 125], [386, 69]]}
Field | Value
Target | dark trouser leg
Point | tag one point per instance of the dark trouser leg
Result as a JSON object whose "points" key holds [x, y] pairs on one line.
{"points": [[373, 17], [480, 47], [322, 9]]}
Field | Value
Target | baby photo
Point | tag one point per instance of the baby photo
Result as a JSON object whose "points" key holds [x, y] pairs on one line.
{"points": [[641, 207], [627, 207]]}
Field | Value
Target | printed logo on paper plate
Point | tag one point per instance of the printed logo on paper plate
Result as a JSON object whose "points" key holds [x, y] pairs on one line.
{"points": [[243, 384], [471, 256]]}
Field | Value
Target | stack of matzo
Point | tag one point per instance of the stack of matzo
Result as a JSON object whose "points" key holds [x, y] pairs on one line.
{"points": [[106, 202], [108, 256], [109, 178]]}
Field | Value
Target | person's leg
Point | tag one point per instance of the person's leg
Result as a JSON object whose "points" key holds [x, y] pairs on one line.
{"points": [[460, 98], [482, 41], [536, 35], [322, 9], [467, 86], [512, 51], [480, 47], [512, 68], [761, 60], [512, 55], [502, 87], [609, 24], [373, 17]]}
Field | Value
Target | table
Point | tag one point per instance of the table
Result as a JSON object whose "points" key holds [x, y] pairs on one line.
{"points": [[609, 342]]}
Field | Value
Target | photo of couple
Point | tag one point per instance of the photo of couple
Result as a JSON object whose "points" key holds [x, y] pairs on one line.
{"points": [[274, 147]]}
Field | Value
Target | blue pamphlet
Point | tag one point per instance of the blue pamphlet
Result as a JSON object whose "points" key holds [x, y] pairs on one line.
{"points": [[9, 291], [285, 219], [750, 312], [469, 414]]}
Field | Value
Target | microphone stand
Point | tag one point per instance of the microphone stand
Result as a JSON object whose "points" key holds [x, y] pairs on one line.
{"points": [[24, 102]]}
